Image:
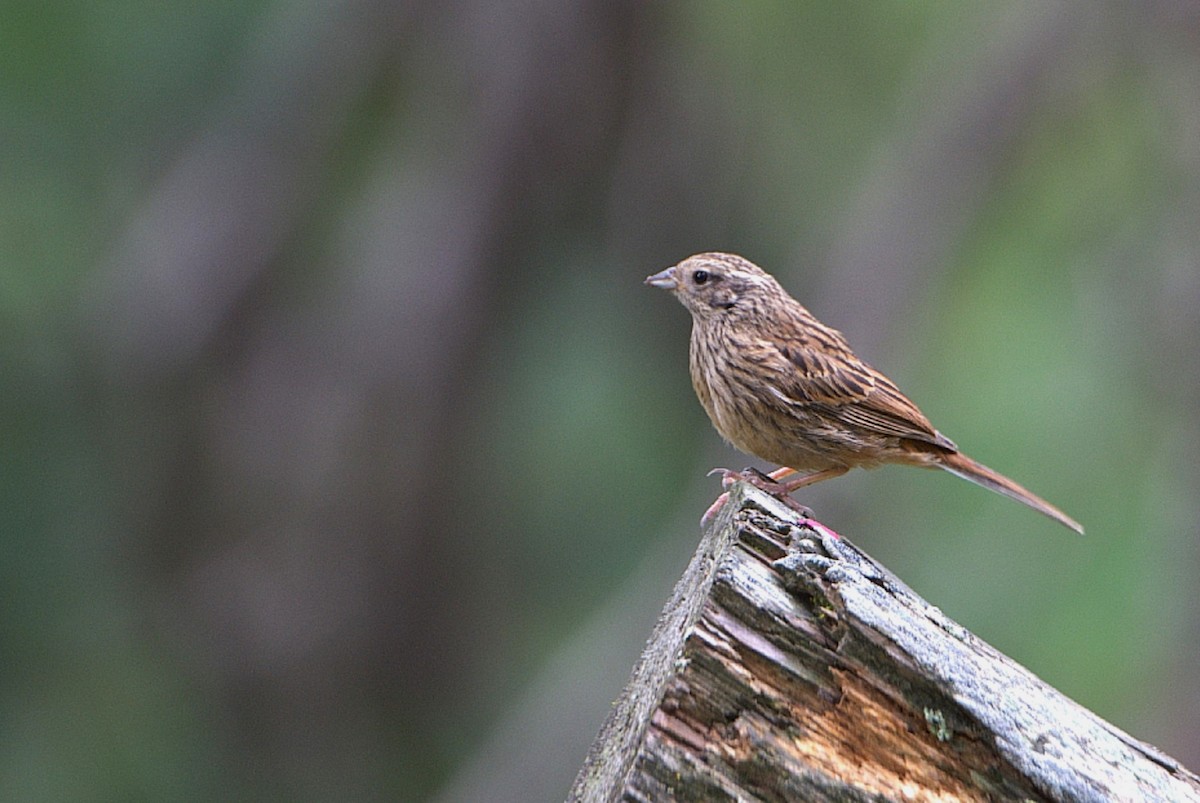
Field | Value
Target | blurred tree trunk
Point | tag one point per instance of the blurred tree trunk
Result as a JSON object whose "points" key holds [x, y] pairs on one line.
{"points": [[288, 438], [928, 181]]}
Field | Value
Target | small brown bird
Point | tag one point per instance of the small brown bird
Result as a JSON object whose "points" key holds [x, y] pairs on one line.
{"points": [[779, 384]]}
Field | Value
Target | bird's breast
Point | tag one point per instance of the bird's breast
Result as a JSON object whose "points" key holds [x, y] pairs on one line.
{"points": [[735, 392]]}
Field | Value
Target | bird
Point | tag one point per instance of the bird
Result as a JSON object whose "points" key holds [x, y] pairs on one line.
{"points": [[782, 386]]}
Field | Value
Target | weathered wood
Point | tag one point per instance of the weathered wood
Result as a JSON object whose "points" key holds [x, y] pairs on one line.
{"points": [[788, 665]]}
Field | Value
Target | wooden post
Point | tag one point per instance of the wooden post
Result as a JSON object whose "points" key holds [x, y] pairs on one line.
{"points": [[788, 665]]}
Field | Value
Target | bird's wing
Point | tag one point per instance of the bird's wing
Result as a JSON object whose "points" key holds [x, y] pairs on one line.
{"points": [[827, 376]]}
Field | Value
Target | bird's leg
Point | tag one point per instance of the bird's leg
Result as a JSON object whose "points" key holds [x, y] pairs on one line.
{"points": [[768, 483], [753, 476], [807, 479]]}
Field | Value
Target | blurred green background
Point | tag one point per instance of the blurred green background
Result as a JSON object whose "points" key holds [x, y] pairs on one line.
{"points": [[345, 455]]}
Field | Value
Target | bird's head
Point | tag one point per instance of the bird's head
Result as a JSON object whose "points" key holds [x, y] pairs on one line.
{"points": [[714, 285]]}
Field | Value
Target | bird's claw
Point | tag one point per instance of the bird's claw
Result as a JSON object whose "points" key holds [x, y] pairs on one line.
{"points": [[763, 482], [728, 476], [759, 479]]}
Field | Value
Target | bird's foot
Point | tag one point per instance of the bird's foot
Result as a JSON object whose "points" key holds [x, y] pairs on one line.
{"points": [[728, 478], [767, 483]]}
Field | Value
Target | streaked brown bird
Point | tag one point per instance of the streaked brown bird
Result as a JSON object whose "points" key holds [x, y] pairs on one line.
{"points": [[780, 385]]}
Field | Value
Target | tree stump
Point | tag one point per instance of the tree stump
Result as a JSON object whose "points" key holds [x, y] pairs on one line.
{"points": [[788, 665]]}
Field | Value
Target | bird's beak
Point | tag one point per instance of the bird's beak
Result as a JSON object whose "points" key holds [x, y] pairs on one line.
{"points": [[664, 279]]}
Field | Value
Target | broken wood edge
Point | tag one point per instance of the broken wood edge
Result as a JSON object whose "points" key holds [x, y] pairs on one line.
{"points": [[831, 644], [612, 753]]}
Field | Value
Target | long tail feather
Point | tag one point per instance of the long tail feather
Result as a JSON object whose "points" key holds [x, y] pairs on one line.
{"points": [[960, 465]]}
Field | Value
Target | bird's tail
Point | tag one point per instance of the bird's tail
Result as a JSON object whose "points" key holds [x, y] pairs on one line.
{"points": [[959, 464]]}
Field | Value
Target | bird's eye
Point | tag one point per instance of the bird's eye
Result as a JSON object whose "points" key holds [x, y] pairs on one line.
{"points": [[700, 276]]}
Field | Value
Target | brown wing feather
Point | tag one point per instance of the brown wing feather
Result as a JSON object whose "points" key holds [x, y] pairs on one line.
{"points": [[826, 374]]}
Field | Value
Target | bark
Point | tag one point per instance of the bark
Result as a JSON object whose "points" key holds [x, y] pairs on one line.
{"points": [[788, 665]]}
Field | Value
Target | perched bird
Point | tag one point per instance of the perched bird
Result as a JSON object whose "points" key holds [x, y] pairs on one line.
{"points": [[780, 385]]}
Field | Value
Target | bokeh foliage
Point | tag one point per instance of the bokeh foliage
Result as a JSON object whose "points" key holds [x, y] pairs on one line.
{"points": [[345, 456]]}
